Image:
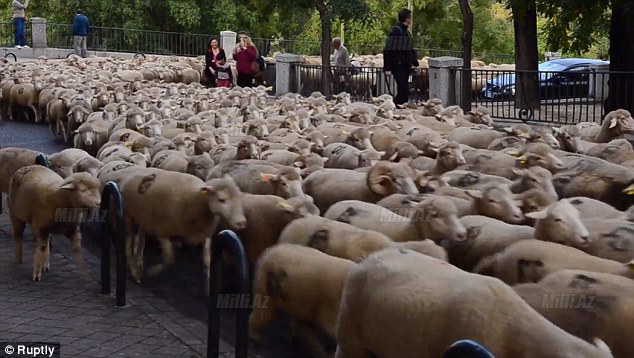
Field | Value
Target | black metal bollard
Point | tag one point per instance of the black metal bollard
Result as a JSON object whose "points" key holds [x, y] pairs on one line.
{"points": [[227, 239], [467, 348], [116, 235], [42, 160]]}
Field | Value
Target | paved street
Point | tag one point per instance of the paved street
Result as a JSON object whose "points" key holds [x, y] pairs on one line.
{"points": [[165, 317]]}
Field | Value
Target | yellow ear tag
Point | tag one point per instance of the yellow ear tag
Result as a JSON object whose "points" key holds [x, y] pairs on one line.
{"points": [[629, 192], [345, 132], [128, 144], [285, 205], [513, 153], [239, 126], [522, 159]]}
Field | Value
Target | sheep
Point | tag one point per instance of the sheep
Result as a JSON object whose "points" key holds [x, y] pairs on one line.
{"points": [[164, 204], [474, 137], [90, 136], [496, 202], [264, 178], [611, 188], [534, 200], [595, 305], [530, 260], [62, 162], [344, 156], [449, 158], [595, 209], [473, 180], [540, 154], [115, 171], [616, 151], [346, 241], [534, 177], [12, 159], [267, 216], [304, 283], [408, 295], [247, 148], [560, 223], [328, 186], [199, 166], [280, 156], [615, 124], [434, 218], [485, 237], [37, 195], [88, 165]]}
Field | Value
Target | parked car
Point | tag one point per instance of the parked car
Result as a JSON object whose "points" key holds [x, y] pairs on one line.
{"points": [[563, 78]]}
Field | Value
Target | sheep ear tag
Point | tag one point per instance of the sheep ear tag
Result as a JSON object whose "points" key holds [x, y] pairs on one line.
{"points": [[629, 190], [286, 206], [522, 159]]}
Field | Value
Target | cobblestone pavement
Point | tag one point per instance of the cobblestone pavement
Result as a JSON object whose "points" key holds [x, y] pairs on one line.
{"points": [[67, 307]]}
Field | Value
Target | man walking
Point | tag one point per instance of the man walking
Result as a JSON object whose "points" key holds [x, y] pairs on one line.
{"points": [[19, 22], [81, 26], [399, 55], [341, 60]]}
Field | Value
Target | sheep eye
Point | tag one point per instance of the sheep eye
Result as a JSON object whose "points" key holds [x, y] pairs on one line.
{"points": [[491, 201], [558, 220]]}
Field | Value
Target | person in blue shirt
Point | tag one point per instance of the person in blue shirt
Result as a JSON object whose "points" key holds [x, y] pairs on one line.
{"points": [[81, 27]]}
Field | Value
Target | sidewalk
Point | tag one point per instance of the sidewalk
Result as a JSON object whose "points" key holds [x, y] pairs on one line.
{"points": [[66, 307]]}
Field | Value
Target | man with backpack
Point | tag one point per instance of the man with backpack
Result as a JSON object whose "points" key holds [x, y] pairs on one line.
{"points": [[399, 55]]}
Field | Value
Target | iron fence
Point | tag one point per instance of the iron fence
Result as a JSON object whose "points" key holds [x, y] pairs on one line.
{"points": [[131, 40], [362, 83], [270, 75], [565, 97], [7, 34]]}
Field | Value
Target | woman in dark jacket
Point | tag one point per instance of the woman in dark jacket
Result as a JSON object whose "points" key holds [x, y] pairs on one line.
{"points": [[211, 59], [245, 55]]}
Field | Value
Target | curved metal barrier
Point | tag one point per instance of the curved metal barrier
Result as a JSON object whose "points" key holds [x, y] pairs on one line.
{"points": [[114, 235], [227, 239], [42, 160], [15, 58], [140, 54], [467, 348]]}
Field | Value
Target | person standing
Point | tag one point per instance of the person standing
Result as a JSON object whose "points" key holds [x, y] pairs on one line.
{"points": [[399, 55], [223, 71], [81, 27], [19, 22], [341, 61], [245, 56], [211, 59]]}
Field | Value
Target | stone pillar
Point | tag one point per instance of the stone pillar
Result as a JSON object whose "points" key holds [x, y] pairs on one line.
{"points": [[599, 81], [286, 73], [228, 41], [443, 79], [383, 86], [38, 32]]}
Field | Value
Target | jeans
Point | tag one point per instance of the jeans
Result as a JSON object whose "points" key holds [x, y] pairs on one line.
{"points": [[79, 43], [244, 80], [20, 31], [401, 76]]}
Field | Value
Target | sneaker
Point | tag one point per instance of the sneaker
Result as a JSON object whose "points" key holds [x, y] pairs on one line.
{"points": [[25, 46], [18, 46]]}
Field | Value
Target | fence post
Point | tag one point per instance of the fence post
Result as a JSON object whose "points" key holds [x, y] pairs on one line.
{"points": [[467, 349], [38, 33], [112, 195], [286, 73], [443, 76], [227, 240], [228, 41], [599, 81]]}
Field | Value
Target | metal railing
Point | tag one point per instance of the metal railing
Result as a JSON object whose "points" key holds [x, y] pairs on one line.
{"points": [[113, 234], [362, 83], [132, 40], [7, 34], [270, 75], [565, 97]]}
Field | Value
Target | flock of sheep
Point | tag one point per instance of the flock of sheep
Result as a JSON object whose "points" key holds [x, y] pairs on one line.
{"points": [[394, 231]]}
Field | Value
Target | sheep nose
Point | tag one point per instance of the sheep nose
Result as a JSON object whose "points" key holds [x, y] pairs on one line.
{"points": [[461, 237]]}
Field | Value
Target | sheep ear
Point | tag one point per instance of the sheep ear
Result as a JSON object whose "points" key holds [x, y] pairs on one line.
{"points": [[476, 194], [508, 130], [298, 164], [613, 122], [556, 130], [268, 177], [473, 232], [630, 265], [68, 186], [207, 190], [537, 215], [518, 172], [286, 206], [393, 157]]}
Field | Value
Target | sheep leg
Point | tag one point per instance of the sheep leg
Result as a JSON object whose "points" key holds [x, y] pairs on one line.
{"points": [[135, 271], [261, 317], [18, 237], [47, 255], [36, 114], [207, 261], [75, 238], [11, 111], [139, 249], [40, 254], [167, 248]]}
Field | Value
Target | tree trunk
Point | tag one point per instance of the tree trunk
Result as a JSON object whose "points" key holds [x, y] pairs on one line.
{"points": [[526, 57], [621, 86], [326, 35], [467, 44]]}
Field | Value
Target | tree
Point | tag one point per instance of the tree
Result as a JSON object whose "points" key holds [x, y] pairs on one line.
{"points": [[574, 25], [526, 56], [467, 45]]}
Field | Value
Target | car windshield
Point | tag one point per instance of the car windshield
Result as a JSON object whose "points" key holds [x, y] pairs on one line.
{"points": [[549, 68]]}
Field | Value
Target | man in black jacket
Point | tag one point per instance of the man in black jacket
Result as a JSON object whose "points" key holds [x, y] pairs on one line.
{"points": [[399, 55]]}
